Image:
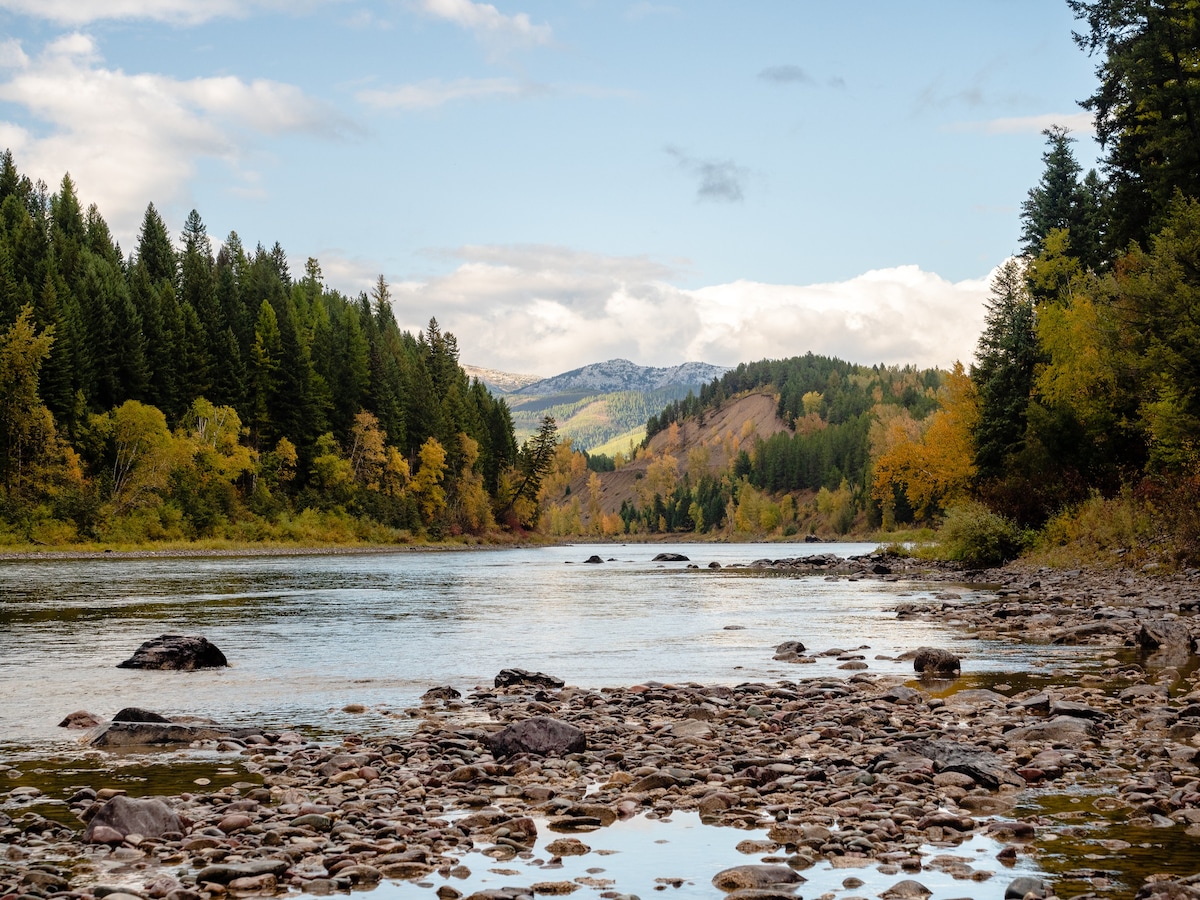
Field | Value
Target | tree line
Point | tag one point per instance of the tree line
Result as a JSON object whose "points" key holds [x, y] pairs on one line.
{"points": [[181, 392], [1085, 387]]}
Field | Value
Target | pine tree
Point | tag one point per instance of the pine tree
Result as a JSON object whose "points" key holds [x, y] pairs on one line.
{"points": [[1003, 370]]}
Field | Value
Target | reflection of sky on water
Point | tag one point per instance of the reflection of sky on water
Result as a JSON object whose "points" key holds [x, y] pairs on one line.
{"points": [[307, 635], [634, 853]]}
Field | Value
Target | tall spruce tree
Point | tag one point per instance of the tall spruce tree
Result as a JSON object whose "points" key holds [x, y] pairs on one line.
{"points": [[1003, 371], [1147, 105]]}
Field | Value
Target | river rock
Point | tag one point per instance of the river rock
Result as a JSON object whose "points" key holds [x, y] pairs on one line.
{"points": [[176, 652], [224, 874], [755, 877], [1060, 729], [907, 890], [983, 766], [1156, 633], [789, 651], [80, 719], [1024, 886], [541, 736], [670, 557], [136, 714], [510, 677], [936, 662], [150, 734], [444, 692], [149, 818], [593, 560]]}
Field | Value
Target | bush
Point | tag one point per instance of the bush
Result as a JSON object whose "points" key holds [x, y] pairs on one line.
{"points": [[977, 537]]}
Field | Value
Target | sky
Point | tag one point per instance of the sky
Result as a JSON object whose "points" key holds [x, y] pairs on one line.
{"points": [[561, 182]]}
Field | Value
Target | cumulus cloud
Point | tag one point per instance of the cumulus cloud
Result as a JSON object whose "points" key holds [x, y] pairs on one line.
{"points": [[128, 139], [75, 13], [550, 309], [494, 28], [721, 180]]}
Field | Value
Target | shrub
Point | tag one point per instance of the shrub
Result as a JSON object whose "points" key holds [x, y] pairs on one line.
{"points": [[977, 537]]}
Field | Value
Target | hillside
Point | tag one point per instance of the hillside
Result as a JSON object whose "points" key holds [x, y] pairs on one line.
{"points": [[733, 427], [776, 447]]}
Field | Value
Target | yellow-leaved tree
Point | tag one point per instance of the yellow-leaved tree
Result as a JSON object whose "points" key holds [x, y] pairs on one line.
{"points": [[426, 485], [937, 466]]}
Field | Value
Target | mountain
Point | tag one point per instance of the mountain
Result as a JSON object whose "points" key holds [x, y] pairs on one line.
{"points": [[501, 382], [622, 375], [597, 404]]}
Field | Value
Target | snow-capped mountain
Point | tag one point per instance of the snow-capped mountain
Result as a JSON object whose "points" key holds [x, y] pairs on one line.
{"points": [[623, 375], [501, 382]]}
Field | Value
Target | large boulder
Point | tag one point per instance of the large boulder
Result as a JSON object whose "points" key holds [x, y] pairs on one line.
{"points": [[540, 736], [151, 734], [1157, 633], [935, 662], [125, 815], [670, 557], [177, 652], [510, 677]]}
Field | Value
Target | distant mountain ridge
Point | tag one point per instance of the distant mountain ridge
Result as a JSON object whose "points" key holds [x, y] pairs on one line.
{"points": [[596, 404], [504, 382], [622, 375]]}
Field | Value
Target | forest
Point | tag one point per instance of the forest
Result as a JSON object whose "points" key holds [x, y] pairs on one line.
{"points": [[1078, 421], [181, 394]]}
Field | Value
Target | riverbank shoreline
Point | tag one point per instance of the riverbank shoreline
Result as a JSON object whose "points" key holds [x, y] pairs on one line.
{"points": [[860, 771]]}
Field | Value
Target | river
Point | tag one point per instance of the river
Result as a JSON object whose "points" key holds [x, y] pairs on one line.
{"points": [[309, 635]]}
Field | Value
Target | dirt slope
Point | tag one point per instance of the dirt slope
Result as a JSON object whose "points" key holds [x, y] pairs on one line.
{"points": [[733, 426]]}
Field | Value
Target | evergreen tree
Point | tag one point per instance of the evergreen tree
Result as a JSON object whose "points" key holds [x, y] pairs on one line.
{"points": [[1147, 105], [1003, 371]]}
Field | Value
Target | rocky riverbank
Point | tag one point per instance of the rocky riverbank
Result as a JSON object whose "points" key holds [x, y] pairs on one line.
{"points": [[862, 771]]}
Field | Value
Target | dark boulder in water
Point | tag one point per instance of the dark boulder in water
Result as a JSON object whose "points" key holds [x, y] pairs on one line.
{"points": [[936, 662], [670, 557], [510, 677], [177, 652]]}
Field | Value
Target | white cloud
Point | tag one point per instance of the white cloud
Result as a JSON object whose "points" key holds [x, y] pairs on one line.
{"points": [[435, 92], [128, 139], [74, 13], [1077, 122], [550, 309], [491, 26]]}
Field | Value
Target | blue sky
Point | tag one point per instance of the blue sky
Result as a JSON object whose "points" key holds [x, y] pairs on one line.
{"points": [[564, 182]]}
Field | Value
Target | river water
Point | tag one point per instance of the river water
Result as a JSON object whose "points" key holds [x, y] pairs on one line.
{"points": [[308, 635]]}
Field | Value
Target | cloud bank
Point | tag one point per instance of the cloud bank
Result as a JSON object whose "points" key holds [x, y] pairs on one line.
{"points": [[549, 309], [127, 138], [74, 13]]}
